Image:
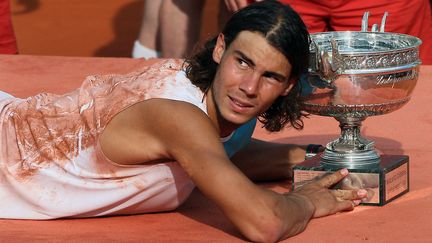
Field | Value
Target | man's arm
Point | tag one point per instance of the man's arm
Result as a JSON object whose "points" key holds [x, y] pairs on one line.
{"points": [[264, 161], [182, 132]]}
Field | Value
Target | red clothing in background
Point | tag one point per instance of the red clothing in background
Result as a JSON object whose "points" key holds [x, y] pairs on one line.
{"points": [[412, 17], [7, 37]]}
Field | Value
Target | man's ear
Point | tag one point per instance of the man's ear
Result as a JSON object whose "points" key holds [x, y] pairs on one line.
{"points": [[219, 48], [288, 88]]}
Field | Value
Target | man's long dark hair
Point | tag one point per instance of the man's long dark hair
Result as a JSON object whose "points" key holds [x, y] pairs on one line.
{"points": [[283, 29]]}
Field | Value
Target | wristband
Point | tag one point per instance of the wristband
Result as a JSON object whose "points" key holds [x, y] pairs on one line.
{"points": [[312, 150]]}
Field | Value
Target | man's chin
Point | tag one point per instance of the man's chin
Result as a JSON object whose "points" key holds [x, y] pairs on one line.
{"points": [[239, 120]]}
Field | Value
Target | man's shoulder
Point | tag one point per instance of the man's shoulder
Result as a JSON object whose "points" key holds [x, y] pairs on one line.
{"points": [[157, 69], [168, 64], [162, 71], [169, 80]]}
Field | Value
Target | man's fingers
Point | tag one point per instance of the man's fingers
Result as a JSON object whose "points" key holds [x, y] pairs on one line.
{"points": [[342, 195], [329, 180], [235, 5], [346, 205], [229, 5]]}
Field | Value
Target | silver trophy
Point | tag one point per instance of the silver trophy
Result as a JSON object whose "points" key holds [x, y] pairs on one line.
{"points": [[353, 75]]}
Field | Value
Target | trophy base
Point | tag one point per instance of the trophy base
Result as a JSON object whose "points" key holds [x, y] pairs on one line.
{"points": [[384, 183]]}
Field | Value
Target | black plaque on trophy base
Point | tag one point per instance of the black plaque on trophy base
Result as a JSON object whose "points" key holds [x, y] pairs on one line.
{"points": [[384, 183]]}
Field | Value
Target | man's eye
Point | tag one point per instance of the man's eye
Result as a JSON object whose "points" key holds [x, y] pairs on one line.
{"points": [[272, 78], [242, 63]]}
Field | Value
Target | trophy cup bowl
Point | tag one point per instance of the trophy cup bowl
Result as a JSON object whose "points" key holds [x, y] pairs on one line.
{"points": [[354, 75]]}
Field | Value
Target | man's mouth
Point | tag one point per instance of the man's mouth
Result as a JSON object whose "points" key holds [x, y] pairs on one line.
{"points": [[240, 105]]}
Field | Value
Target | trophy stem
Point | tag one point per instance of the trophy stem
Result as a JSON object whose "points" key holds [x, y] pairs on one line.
{"points": [[350, 150]]}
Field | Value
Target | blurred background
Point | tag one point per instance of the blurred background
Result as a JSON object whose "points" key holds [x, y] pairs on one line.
{"points": [[103, 28]]}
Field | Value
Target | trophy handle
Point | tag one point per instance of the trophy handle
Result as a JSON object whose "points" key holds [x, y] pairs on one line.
{"points": [[329, 67], [364, 26]]}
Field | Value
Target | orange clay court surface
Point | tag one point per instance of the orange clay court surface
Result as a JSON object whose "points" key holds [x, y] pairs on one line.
{"points": [[51, 31]]}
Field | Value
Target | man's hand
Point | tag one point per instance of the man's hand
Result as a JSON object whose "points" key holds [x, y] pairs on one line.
{"points": [[234, 5], [327, 201]]}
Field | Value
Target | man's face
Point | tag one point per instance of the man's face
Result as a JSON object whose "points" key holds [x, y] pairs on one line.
{"points": [[250, 76]]}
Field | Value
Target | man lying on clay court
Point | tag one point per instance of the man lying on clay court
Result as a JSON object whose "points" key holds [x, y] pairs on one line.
{"points": [[138, 143]]}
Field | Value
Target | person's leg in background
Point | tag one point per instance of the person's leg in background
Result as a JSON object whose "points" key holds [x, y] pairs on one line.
{"points": [[8, 43], [170, 28], [180, 25], [146, 46]]}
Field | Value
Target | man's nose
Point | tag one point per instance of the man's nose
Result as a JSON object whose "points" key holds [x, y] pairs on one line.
{"points": [[250, 83]]}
